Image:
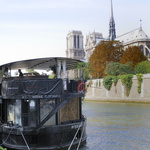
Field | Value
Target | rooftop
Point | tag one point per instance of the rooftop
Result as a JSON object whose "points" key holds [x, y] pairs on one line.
{"points": [[135, 35]]}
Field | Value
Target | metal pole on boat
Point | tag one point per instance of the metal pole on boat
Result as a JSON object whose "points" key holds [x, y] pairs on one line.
{"points": [[24, 140], [81, 136], [64, 74], [58, 68], [74, 136]]}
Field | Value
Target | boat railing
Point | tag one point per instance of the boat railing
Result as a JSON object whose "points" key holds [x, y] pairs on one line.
{"points": [[26, 77], [28, 85], [26, 88]]}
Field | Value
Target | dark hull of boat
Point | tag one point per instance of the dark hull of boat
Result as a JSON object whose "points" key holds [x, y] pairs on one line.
{"points": [[46, 138]]}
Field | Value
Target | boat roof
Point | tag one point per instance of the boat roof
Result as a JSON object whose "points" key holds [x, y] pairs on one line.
{"points": [[41, 63]]}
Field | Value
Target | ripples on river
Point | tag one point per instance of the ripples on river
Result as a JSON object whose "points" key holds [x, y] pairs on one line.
{"points": [[117, 126]]}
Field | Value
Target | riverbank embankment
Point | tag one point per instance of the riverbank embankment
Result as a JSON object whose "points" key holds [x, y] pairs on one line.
{"points": [[96, 91]]}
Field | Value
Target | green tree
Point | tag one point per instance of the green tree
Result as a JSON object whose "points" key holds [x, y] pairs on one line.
{"points": [[142, 67], [134, 55], [105, 52], [1, 148], [115, 68], [84, 68]]}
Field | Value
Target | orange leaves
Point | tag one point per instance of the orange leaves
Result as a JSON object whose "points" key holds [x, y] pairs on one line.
{"points": [[134, 55], [112, 51], [105, 52]]}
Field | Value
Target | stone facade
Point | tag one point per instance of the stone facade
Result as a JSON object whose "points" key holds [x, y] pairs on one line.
{"points": [[75, 47], [117, 93], [92, 40]]}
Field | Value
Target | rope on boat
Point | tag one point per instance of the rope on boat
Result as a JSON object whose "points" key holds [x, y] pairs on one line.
{"points": [[81, 136], [24, 140], [7, 136], [21, 134], [74, 137]]}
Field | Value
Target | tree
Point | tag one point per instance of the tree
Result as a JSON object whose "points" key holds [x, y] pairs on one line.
{"points": [[105, 52], [134, 55], [83, 68], [1, 148], [142, 67], [115, 68]]}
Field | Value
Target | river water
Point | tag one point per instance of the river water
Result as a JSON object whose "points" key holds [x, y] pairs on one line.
{"points": [[117, 126]]}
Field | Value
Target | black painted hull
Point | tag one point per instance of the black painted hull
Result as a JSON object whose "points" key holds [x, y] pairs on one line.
{"points": [[47, 138]]}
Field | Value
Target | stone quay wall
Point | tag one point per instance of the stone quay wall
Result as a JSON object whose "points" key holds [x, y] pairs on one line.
{"points": [[96, 91]]}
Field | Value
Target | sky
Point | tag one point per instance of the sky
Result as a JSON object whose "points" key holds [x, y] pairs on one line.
{"points": [[38, 28]]}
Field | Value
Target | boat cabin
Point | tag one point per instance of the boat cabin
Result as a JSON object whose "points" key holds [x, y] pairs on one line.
{"points": [[40, 111]]}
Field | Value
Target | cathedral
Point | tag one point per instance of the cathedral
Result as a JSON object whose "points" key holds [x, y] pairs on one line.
{"points": [[138, 38], [75, 40], [92, 40], [75, 47]]}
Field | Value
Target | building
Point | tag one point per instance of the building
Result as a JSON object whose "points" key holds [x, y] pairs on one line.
{"points": [[76, 50], [138, 38], [75, 47], [112, 29], [92, 40]]}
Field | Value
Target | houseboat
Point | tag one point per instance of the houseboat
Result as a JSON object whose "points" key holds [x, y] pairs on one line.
{"points": [[39, 112]]}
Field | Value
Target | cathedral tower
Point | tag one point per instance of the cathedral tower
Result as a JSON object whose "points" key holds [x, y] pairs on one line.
{"points": [[112, 30], [75, 45]]}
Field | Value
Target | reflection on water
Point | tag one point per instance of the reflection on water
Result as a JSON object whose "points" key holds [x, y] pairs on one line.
{"points": [[117, 126]]}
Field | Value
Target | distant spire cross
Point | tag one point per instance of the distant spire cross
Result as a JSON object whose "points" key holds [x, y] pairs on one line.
{"points": [[141, 23]]}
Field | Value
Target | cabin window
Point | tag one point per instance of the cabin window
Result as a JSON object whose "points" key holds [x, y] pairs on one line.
{"points": [[25, 112], [14, 111], [30, 113], [46, 106], [33, 113]]}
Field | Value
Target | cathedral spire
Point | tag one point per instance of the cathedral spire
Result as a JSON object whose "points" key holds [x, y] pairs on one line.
{"points": [[140, 23], [112, 30]]}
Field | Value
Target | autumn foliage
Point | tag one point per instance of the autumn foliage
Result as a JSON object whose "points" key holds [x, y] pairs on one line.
{"points": [[134, 55], [105, 52]]}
